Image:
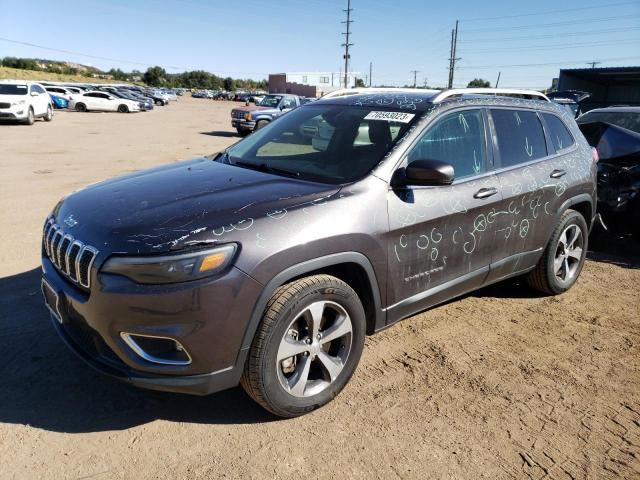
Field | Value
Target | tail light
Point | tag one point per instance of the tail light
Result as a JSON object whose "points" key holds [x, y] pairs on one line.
{"points": [[594, 154]]}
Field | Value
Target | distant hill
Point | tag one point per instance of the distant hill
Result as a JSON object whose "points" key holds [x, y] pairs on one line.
{"points": [[41, 76]]}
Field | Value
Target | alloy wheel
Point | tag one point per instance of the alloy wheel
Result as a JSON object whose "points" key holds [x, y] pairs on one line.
{"points": [[569, 253], [314, 349]]}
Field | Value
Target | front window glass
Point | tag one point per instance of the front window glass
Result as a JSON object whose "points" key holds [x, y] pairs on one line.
{"points": [[326, 143], [270, 101], [520, 136], [13, 89], [458, 139]]}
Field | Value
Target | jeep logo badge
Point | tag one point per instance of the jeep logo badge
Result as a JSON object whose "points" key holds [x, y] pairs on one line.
{"points": [[70, 221]]}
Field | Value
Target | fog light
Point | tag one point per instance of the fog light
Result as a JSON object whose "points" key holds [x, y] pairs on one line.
{"points": [[154, 349]]}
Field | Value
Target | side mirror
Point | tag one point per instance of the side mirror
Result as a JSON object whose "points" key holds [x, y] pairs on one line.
{"points": [[425, 172], [34, 94]]}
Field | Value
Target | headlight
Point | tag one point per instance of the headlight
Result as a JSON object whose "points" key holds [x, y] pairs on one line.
{"points": [[21, 102], [172, 268], [247, 117]]}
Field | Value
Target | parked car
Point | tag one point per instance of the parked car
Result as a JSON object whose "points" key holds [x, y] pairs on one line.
{"points": [[62, 92], [615, 133], [24, 102], [253, 117], [59, 102], [267, 263], [571, 99], [144, 103], [103, 101]]}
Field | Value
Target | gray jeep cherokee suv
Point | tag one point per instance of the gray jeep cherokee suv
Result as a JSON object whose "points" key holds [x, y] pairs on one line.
{"points": [[267, 264]]}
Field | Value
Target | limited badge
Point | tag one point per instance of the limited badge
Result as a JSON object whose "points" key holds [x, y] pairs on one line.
{"points": [[400, 117]]}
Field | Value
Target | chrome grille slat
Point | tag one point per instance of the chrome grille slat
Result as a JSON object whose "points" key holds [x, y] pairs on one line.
{"points": [[71, 257]]}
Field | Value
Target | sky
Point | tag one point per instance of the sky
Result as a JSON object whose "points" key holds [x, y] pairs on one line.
{"points": [[526, 42]]}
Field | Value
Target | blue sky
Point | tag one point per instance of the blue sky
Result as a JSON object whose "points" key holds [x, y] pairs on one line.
{"points": [[527, 41]]}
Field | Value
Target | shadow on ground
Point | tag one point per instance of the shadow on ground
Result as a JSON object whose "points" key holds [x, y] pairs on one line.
{"points": [[43, 384], [221, 133]]}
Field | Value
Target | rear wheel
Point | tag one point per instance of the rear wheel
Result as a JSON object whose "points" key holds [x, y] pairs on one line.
{"points": [[563, 259], [123, 108], [49, 115], [307, 346], [81, 107]]}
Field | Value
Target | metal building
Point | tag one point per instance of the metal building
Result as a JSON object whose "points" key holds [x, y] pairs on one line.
{"points": [[607, 86]]}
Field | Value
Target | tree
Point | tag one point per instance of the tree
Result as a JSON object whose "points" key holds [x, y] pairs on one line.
{"points": [[229, 84], [155, 76], [359, 83], [479, 82]]}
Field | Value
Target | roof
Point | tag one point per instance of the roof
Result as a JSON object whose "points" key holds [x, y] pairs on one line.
{"points": [[604, 75]]}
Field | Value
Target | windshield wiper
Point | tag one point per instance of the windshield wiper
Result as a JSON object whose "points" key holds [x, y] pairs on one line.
{"points": [[263, 167]]}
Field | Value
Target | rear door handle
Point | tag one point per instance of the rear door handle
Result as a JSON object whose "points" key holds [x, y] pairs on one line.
{"points": [[558, 173], [485, 192]]}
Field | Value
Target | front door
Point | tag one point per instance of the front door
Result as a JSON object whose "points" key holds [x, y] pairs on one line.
{"points": [[441, 238]]}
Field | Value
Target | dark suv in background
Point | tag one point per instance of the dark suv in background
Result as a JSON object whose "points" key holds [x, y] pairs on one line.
{"points": [[268, 263]]}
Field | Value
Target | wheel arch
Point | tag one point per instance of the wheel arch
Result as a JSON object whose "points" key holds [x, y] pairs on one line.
{"points": [[353, 268], [583, 204]]}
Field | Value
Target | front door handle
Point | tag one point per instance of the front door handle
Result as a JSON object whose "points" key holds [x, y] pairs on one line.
{"points": [[558, 173], [485, 192]]}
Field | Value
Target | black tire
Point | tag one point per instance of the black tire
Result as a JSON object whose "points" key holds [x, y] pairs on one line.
{"points": [[31, 118], [260, 124], [544, 277], [49, 115], [262, 375], [242, 132], [123, 108], [81, 107]]}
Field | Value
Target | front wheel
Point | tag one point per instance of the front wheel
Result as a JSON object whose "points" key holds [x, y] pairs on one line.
{"points": [[30, 117], [307, 346], [49, 115], [81, 107], [123, 109], [261, 124], [563, 259]]}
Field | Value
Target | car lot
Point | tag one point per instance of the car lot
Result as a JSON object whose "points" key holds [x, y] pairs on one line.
{"points": [[503, 382]]}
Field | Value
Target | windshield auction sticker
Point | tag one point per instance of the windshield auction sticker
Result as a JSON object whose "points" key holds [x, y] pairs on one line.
{"points": [[401, 117]]}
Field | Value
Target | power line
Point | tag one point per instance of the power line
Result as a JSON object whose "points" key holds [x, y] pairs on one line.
{"points": [[552, 12], [415, 76], [567, 62], [346, 44], [553, 24], [557, 46], [550, 35]]}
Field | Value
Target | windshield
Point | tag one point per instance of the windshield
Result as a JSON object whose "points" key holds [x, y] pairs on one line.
{"points": [[327, 143], [628, 120], [271, 101], [13, 89]]}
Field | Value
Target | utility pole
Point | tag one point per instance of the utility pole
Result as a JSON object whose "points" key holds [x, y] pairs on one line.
{"points": [[370, 72], [346, 43], [452, 58], [593, 64], [415, 74], [498, 80]]}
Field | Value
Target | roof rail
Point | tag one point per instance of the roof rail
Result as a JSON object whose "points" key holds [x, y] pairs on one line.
{"points": [[503, 92], [364, 90]]}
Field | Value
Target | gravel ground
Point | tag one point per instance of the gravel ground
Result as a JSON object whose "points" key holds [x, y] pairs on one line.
{"points": [[502, 383]]}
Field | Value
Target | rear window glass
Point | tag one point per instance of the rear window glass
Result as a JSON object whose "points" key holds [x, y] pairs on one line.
{"points": [[628, 120], [560, 136], [520, 136]]}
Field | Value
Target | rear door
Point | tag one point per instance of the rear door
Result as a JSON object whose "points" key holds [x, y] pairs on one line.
{"points": [[531, 186], [442, 238]]}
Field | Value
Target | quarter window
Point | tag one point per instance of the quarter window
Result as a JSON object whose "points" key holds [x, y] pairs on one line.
{"points": [[520, 136], [458, 139], [560, 136]]}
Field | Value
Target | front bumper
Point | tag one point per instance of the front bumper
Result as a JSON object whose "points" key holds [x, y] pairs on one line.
{"points": [[17, 114], [208, 318], [243, 124]]}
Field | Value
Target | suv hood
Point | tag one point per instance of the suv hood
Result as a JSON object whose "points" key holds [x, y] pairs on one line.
{"points": [[177, 205], [251, 108], [13, 98]]}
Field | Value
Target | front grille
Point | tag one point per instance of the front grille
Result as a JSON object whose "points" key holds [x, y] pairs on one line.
{"points": [[5, 105], [238, 114], [70, 256]]}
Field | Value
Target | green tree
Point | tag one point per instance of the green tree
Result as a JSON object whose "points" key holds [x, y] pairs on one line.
{"points": [[359, 83], [155, 76], [479, 82], [229, 84]]}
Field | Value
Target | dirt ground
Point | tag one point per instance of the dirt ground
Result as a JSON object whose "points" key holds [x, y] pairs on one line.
{"points": [[503, 383]]}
